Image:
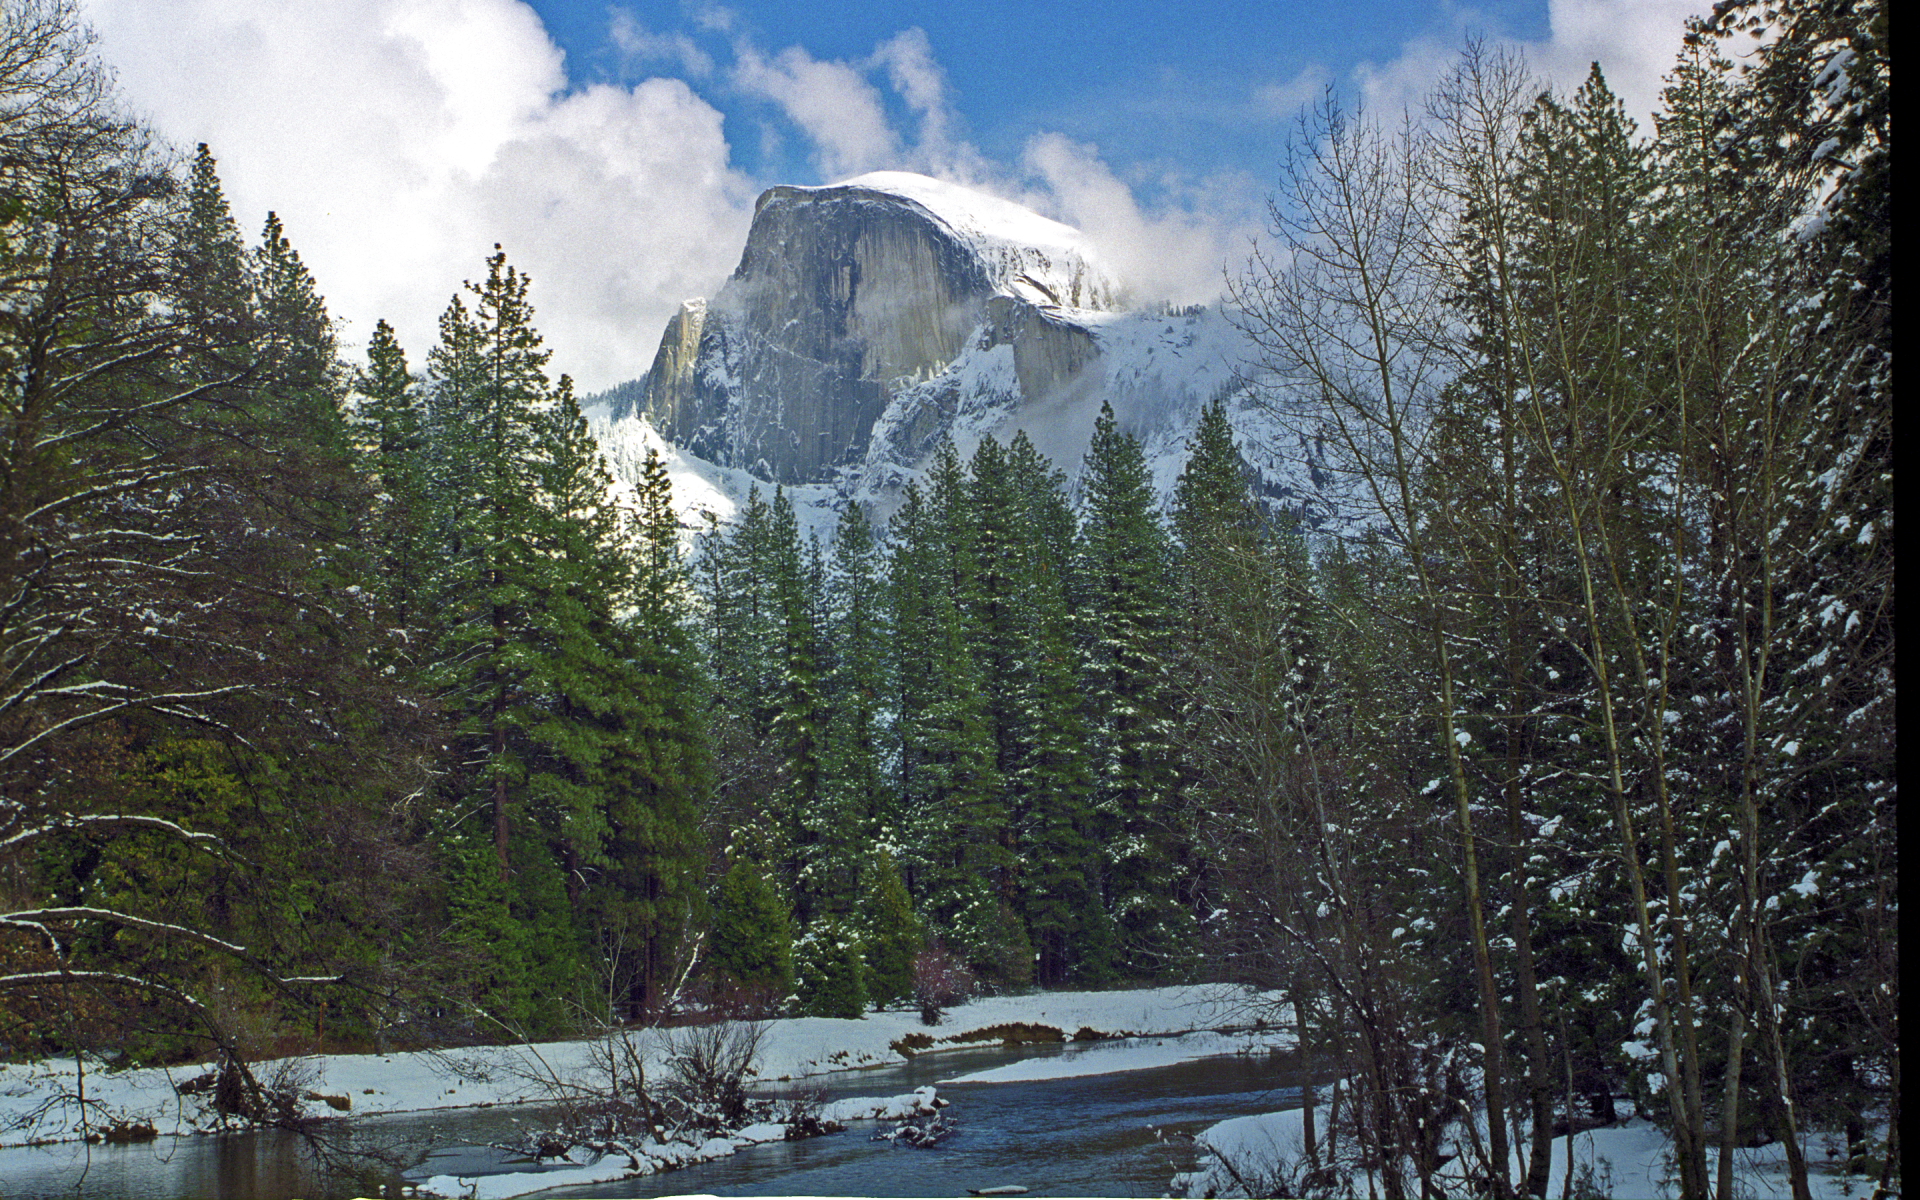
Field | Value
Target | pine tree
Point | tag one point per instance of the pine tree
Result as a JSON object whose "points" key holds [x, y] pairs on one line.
{"points": [[297, 344], [1050, 773], [743, 622], [1127, 626], [752, 947], [1603, 427], [856, 808], [740, 642], [392, 417], [800, 716], [213, 282], [829, 971], [488, 383], [187, 648], [1214, 513], [1797, 465], [889, 932], [659, 769], [572, 742], [488, 941], [952, 794]]}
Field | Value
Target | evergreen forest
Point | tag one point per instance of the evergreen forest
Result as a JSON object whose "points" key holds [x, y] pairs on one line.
{"points": [[347, 703]]}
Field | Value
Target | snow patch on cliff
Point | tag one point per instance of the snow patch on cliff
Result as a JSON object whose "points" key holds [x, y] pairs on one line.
{"points": [[1026, 255]]}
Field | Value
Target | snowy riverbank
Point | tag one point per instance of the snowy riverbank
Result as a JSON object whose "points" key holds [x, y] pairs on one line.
{"points": [[60, 1101], [1631, 1159]]}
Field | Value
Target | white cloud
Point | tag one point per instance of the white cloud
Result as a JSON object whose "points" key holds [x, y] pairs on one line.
{"points": [[400, 139], [1175, 254], [840, 112], [908, 59], [1402, 84], [1286, 99], [714, 18], [1635, 42], [637, 44], [615, 219]]}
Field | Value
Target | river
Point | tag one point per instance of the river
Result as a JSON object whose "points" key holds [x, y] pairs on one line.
{"points": [[1119, 1134]]}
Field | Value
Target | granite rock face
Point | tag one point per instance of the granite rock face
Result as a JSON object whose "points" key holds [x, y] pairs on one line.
{"points": [[855, 302]]}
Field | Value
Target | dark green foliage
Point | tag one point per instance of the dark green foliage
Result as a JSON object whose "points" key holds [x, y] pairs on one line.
{"points": [[952, 794], [752, 945], [740, 643], [391, 418], [558, 651], [191, 654], [369, 679], [488, 943], [657, 771], [799, 713], [889, 932], [1127, 626], [855, 807], [552, 982], [830, 972], [215, 292], [1047, 737]]}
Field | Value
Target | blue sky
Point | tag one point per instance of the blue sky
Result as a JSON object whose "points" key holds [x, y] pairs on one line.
{"points": [[1197, 87], [616, 149]]}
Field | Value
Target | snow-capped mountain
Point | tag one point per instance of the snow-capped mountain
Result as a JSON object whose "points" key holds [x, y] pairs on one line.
{"points": [[870, 320]]}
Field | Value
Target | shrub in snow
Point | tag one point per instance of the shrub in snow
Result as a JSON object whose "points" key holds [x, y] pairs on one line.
{"points": [[707, 1071], [994, 941], [940, 981]]}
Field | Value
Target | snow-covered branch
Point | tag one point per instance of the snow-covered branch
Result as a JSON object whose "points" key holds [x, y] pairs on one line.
{"points": [[167, 702], [103, 820]]}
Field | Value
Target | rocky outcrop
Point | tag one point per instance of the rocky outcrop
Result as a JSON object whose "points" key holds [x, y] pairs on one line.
{"points": [[673, 397], [1049, 350], [849, 298]]}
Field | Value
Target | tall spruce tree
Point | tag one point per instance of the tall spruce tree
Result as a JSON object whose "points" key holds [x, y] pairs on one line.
{"points": [[391, 415], [890, 934], [1050, 770], [856, 808], [489, 384], [214, 287], [532, 657], [1128, 627], [953, 795], [740, 640], [658, 770], [752, 947], [798, 703]]}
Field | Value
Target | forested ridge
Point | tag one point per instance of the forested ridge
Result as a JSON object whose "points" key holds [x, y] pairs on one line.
{"points": [[345, 702]]}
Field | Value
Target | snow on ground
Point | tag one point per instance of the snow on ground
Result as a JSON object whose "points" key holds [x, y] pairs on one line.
{"points": [[803, 1046], [1630, 1159], [1101, 1058], [54, 1101]]}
